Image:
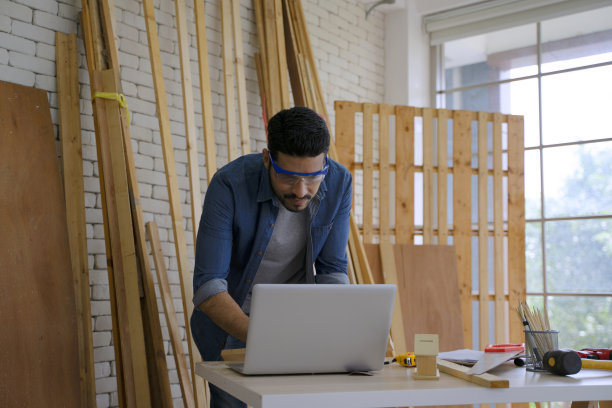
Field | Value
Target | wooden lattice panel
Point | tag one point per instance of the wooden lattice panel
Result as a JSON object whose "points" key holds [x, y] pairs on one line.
{"points": [[481, 179]]}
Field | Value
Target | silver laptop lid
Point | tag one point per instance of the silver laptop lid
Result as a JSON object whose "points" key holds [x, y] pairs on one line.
{"points": [[299, 328]]}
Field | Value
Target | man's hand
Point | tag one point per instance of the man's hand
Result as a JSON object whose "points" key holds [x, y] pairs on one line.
{"points": [[226, 314]]}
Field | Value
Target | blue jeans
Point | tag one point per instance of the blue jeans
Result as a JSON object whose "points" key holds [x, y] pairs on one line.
{"points": [[220, 398]]}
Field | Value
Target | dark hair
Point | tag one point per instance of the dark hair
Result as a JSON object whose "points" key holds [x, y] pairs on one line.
{"points": [[298, 131]]}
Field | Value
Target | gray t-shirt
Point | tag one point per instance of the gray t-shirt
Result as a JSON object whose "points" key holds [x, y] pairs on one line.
{"points": [[285, 256]]}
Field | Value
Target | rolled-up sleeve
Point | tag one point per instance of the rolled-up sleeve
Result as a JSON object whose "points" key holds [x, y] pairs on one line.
{"points": [[214, 242]]}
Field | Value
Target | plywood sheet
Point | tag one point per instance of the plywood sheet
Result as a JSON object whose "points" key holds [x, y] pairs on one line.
{"points": [[428, 289], [37, 301]]}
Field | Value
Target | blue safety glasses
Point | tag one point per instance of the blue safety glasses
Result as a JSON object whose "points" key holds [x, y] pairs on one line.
{"points": [[292, 178]]}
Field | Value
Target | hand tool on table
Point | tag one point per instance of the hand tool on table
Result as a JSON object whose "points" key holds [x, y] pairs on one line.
{"points": [[567, 362], [496, 354]]}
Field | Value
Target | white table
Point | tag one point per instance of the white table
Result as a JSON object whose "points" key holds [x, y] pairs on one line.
{"points": [[393, 386]]}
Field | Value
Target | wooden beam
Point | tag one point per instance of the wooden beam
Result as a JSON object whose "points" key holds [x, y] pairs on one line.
{"points": [[389, 272], [404, 174], [498, 233], [205, 92], [516, 219], [462, 214], [243, 112], [170, 313], [483, 236], [74, 193], [195, 192], [178, 229], [428, 176], [442, 176], [384, 176], [228, 78]]}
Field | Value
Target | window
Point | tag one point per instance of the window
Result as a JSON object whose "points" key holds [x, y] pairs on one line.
{"points": [[557, 73]]}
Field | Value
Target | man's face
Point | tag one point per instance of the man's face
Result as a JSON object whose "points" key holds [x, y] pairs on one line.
{"points": [[294, 192]]}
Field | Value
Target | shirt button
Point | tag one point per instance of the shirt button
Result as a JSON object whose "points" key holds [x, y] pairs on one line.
{"points": [[271, 225], [259, 253], [248, 281]]}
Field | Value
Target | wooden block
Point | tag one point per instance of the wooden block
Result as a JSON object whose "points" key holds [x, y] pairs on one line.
{"points": [[426, 368], [38, 340], [427, 287]]}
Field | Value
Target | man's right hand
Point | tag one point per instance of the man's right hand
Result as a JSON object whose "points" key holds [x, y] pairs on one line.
{"points": [[226, 314]]}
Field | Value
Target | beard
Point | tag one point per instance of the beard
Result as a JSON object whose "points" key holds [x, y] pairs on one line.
{"points": [[290, 201]]}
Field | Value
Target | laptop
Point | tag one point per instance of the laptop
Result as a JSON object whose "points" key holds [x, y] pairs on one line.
{"points": [[325, 328]]}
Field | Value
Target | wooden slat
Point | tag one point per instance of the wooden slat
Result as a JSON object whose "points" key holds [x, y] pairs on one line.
{"points": [[442, 169], [516, 219], [38, 340], [345, 132], [170, 312], [498, 233], [243, 113], [384, 178], [483, 238], [263, 52], [121, 235], [296, 74], [74, 193], [404, 174], [205, 92], [389, 272], [228, 78], [368, 172], [281, 52], [195, 193], [273, 68], [172, 183], [93, 49], [358, 251], [462, 224], [427, 176]]}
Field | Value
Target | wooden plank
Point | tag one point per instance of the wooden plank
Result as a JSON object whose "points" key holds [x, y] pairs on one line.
{"points": [[94, 48], [359, 253], [281, 52], [261, 35], [72, 162], [295, 73], [243, 112], [389, 272], [483, 236], [498, 233], [170, 312], [345, 132], [273, 68], [228, 78], [368, 172], [195, 193], [404, 174], [427, 288], [205, 92], [443, 115], [427, 176], [459, 371], [516, 219], [384, 177], [121, 229], [178, 229], [462, 225], [38, 341]]}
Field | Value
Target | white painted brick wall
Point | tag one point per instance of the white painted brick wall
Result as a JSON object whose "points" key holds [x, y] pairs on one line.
{"points": [[349, 52]]}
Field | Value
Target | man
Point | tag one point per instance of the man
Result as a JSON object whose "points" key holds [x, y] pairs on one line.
{"points": [[278, 217]]}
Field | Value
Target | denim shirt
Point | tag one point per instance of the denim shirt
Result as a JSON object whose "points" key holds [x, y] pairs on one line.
{"points": [[237, 221]]}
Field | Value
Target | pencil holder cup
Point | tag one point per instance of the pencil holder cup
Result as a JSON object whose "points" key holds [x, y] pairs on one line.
{"points": [[538, 342]]}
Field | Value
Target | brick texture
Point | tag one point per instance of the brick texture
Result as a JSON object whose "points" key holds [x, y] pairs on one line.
{"points": [[349, 53]]}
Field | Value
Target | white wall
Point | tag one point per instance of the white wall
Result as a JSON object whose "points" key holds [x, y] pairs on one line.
{"points": [[350, 55]]}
